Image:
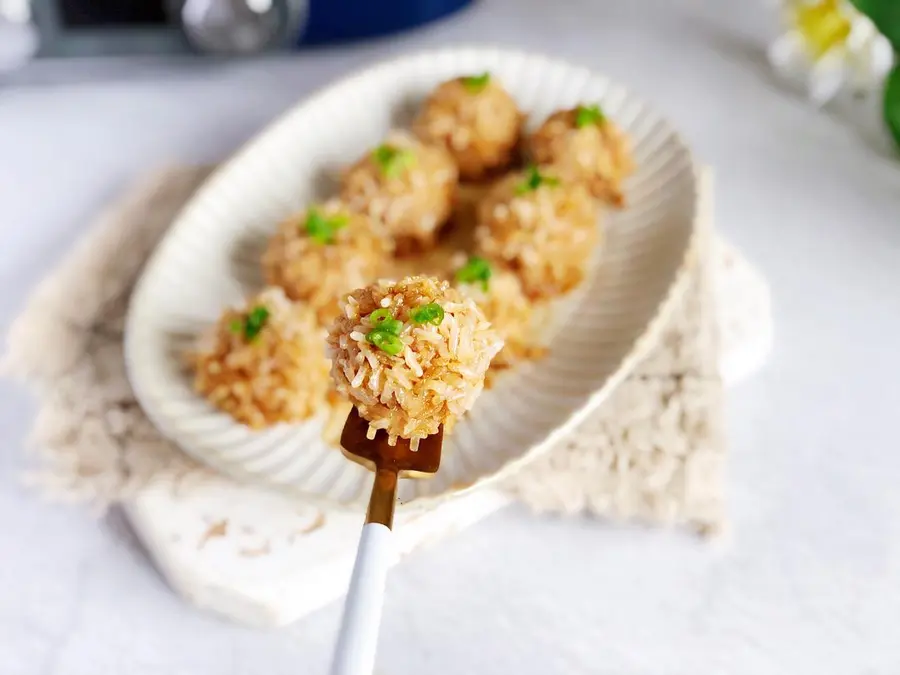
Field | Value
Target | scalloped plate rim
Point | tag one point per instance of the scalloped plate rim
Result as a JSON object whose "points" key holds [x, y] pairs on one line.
{"points": [[220, 176]]}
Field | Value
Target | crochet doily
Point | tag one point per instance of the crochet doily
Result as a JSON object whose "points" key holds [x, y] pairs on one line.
{"points": [[653, 452]]}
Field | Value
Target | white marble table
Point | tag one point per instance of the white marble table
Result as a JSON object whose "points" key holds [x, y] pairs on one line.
{"points": [[810, 582]]}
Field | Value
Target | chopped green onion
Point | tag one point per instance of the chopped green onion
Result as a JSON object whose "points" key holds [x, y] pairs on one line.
{"points": [[393, 161], [236, 326], [431, 313], [535, 179], [255, 322], [382, 319], [322, 229], [380, 316], [476, 269], [392, 326], [476, 83], [385, 341], [585, 115]]}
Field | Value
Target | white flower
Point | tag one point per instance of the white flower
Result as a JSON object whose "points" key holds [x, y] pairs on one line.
{"points": [[830, 45]]}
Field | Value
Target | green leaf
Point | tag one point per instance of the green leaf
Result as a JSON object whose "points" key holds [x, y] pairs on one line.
{"points": [[885, 14], [892, 103]]}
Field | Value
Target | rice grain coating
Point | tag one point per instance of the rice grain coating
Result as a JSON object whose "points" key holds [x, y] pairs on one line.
{"points": [[322, 272], [279, 374], [510, 313], [479, 128], [437, 374], [546, 235], [412, 198], [598, 154]]}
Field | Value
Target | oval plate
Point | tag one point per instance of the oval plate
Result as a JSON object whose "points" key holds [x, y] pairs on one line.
{"points": [[209, 259]]}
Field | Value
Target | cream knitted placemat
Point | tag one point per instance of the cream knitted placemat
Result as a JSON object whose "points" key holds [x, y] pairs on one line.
{"points": [[654, 452]]}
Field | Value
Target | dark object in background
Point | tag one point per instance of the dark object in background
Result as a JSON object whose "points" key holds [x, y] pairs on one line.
{"points": [[340, 20], [229, 27], [93, 13], [99, 27]]}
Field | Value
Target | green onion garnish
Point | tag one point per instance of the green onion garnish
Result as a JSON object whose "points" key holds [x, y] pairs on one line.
{"points": [[535, 179], [380, 316], [385, 341], [585, 115], [475, 83], [322, 229], [255, 322], [382, 319], [236, 326], [431, 313], [475, 270], [393, 161], [392, 326]]}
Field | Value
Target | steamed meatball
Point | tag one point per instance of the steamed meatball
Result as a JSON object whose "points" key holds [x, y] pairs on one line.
{"points": [[411, 355], [586, 146], [543, 229], [405, 186], [498, 293], [476, 120], [324, 252], [264, 363]]}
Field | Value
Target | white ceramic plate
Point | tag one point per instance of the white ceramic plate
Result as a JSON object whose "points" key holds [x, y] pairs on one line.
{"points": [[209, 260]]}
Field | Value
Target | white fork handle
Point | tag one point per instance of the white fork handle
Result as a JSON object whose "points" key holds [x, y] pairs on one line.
{"points": [[358, 638]]}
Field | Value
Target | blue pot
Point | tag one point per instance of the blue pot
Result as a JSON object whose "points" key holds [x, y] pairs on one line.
{"points": [[329, 21]]}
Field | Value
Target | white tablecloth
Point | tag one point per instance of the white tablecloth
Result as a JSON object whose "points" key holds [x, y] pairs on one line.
{"points": [[810, 582]]}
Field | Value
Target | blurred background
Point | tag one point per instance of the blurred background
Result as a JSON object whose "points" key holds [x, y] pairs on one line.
{"points": [[95, 94]]}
